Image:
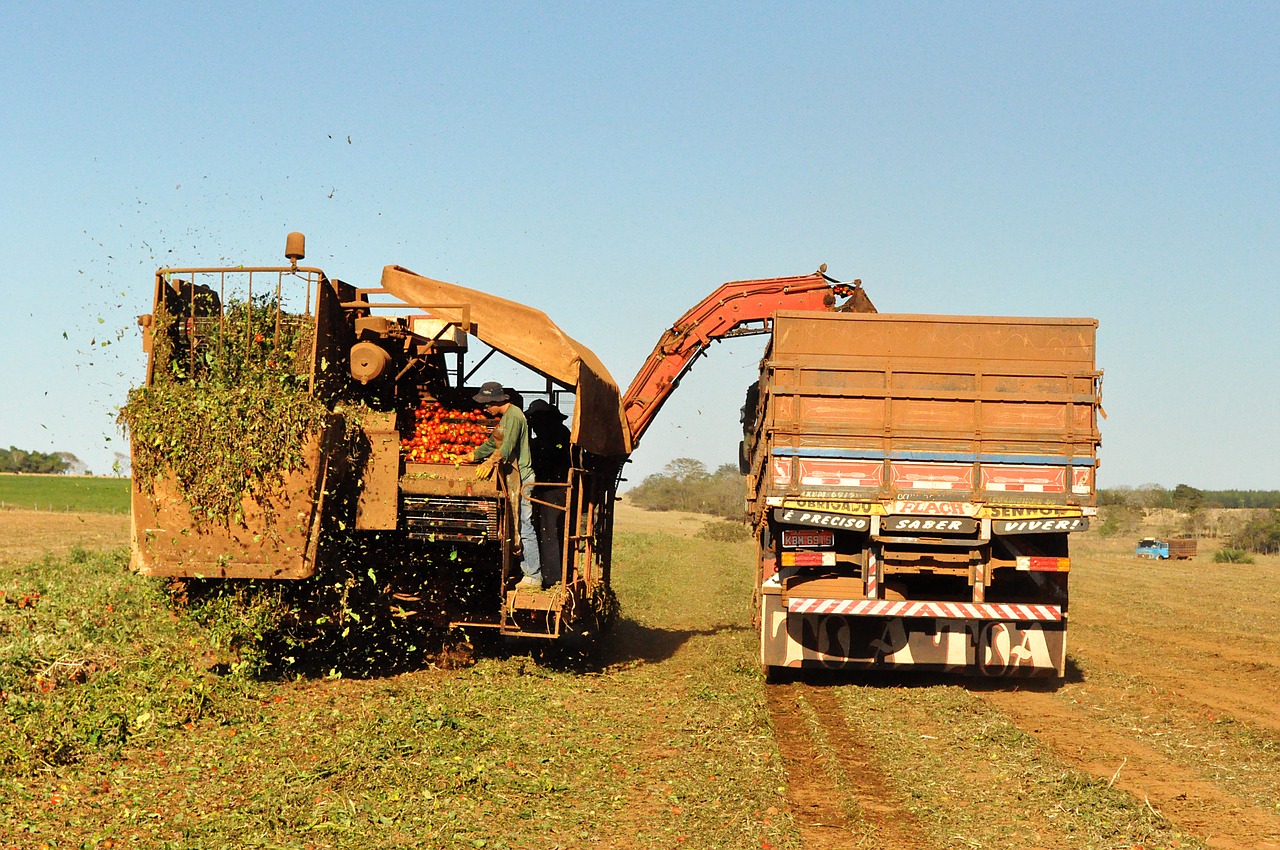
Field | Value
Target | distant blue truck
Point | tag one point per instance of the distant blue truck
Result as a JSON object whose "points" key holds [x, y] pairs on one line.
{"points": [[1180, 549]]}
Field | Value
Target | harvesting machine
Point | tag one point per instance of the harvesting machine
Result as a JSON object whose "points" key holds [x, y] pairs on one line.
{"points": [[373, 477]]}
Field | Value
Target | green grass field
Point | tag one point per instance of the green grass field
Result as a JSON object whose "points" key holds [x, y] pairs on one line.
{"points": [[119, 724], [64, 493]]}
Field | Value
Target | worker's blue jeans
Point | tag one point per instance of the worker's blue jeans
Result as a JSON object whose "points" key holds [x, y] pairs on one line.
{"points": [[531, 565]]}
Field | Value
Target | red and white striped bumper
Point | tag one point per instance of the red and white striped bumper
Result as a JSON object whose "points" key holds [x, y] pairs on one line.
{"points": [[948, 610]]}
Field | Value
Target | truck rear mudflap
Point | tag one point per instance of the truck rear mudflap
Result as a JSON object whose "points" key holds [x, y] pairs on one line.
{"points": [[967, 638]]}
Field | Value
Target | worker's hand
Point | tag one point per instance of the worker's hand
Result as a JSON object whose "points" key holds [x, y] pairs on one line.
{"points": [[485, 469]]}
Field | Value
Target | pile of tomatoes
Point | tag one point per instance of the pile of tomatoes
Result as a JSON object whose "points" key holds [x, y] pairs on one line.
{"points": [[444, 435]]}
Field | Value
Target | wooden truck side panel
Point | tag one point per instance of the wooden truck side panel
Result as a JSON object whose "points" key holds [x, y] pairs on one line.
{"points": [[934, 383], [876, 402]]}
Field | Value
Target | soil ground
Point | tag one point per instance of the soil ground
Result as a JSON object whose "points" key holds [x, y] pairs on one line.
{"points": [[1172, 696], [628, 517], [1164, 734]]}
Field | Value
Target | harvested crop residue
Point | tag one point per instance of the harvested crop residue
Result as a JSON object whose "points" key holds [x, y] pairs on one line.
{"points": [[1082, 735]]}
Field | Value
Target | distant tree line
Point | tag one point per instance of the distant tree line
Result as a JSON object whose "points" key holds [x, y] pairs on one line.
{"points": [[1242, 498], [686, 485], [1123, 507], [1184, 497], [14, 459], [1260, 534]]}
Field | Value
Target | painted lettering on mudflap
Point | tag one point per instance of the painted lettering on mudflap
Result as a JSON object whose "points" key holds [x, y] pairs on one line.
{"points": [[908, 506], [989, 648], [1029, 511], [1039, 526], [1003, 648], [794, 516], [916, 523], [836, 506], [836, 640], [893, 640]]}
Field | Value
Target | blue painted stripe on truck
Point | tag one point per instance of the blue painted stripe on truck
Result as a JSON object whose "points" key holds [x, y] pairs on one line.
{"points": [[955, 457]]}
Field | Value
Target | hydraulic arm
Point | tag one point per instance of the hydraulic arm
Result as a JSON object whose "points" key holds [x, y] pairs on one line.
{"points": [[737, 308]]}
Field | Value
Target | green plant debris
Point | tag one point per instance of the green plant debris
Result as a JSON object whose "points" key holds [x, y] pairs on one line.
{"points": [[229, 411], [661, 742]]}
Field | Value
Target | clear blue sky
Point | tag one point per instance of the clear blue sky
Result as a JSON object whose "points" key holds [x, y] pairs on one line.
{"points": [[611, 163]]}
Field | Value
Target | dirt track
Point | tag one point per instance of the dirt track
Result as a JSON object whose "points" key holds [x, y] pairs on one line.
{"points": [[1172, 696]]}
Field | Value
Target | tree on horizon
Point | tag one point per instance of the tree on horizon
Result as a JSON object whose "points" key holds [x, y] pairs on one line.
{"points": [[14, 459]]}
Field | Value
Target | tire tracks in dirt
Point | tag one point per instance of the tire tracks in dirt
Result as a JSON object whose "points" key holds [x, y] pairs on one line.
{"points": [[838, 796], [1197, 806], [1203, 677]]}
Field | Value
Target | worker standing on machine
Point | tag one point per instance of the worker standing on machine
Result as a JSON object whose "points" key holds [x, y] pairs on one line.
{"points": [[550, 444], [508, 447]]}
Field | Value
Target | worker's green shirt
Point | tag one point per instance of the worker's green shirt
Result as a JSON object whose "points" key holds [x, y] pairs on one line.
{"points": [[515, 442]]}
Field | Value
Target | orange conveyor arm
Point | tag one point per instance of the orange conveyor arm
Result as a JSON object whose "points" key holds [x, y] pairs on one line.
{"points": [[721, 314]]}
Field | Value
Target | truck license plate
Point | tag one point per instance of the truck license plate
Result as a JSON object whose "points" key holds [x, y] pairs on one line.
{"points": [[807, 538]]}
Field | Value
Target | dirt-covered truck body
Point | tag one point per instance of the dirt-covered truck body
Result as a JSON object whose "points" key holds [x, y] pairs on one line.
{"points": [[914, 480], [294, 426]]}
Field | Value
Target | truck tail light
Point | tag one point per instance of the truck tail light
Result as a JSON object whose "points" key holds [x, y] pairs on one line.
{"points": [[808, 559], [1041, 564]]}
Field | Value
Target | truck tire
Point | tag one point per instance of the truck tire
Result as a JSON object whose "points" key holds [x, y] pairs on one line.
{"points": [[774, 675]]}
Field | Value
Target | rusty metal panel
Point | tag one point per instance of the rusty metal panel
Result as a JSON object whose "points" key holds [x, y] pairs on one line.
{"points": [[904, 338], [378, 506], [333, 341], [278, 538], [445, 479]]}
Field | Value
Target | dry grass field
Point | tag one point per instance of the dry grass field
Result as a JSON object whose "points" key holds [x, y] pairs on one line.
{"points": [[635, 520], [29, 535], [120, 727]]}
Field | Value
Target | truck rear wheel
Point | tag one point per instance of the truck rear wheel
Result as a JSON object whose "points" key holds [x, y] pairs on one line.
{"points": [[774, 675]]}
